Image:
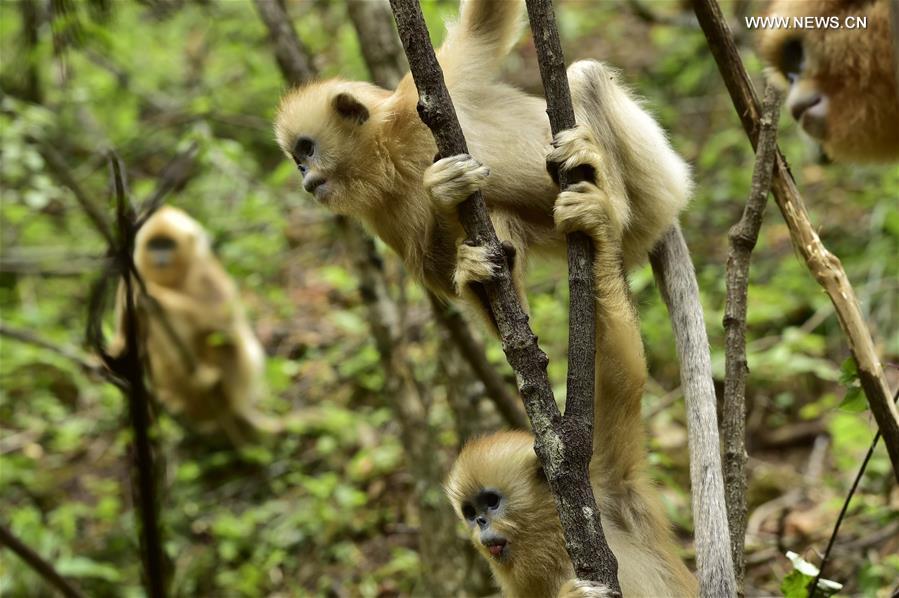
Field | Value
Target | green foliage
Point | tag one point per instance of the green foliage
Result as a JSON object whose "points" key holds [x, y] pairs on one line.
{"points": [[329, 506]]}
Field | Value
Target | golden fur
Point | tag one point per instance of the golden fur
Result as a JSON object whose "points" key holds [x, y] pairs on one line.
{"points": [[201, 304], [857, 119], [374, 160], [533, 561]]}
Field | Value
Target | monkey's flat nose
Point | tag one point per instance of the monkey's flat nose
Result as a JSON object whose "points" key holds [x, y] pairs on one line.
{"points": [[482, 521], [799, 106], [313, 182]]}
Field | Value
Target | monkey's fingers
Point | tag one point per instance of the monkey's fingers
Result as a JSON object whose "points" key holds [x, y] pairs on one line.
{"points": [[576, 152], [450, 181], [579, 588]]}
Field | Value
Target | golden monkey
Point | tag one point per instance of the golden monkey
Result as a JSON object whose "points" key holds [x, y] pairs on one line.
{"points": [[216, 385], [497, 486], [364, 152], [841, 81]]}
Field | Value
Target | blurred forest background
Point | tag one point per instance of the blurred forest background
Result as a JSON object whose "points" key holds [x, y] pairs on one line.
{"points": [[337, 506]]}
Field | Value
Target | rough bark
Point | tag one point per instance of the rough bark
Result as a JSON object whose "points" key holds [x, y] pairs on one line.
{"points": [[743, 237], [674, 274], [563, 444], [824, 266]]}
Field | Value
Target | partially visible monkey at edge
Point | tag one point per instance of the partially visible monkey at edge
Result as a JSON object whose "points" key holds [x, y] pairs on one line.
{"points": [[841, 82], [364, 152], [218, 391], [497, 486]]}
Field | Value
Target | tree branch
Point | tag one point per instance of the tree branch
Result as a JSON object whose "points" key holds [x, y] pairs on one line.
{"points": [[559, 445], [378, 41], [24, 336], [293, 58], [43, 568], [743, 237], [824, 266], [128, 372]]}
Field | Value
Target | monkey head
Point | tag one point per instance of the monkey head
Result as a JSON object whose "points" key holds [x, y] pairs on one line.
{"points": [[332, 130], [498, 489], [167, 244], [841, 84]]}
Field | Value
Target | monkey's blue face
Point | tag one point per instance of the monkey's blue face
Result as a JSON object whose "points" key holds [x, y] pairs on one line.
{"points": [[481, 514]]}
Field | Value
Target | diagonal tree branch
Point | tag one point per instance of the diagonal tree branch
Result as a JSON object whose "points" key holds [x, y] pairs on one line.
{"points": [[743, 237], [563, 448], [36, 562], [824, 266], [24, 336]]}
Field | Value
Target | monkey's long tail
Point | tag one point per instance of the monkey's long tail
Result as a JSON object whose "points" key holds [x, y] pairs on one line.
{"points": [[485, 34]]}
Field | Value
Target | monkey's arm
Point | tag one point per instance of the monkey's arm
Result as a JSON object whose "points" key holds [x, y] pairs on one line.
{"points": [[448, 182]]}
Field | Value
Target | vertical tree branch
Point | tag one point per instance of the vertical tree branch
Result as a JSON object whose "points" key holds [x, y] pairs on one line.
{"points": [[129, 367], [562, 445], [743, 237], [824, 266], [293, 58], [894, 26], [378, 41], [43, 568], [386, 62]]}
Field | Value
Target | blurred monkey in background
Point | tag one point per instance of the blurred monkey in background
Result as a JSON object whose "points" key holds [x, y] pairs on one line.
{"points": [[204, 361], [841, 81]]}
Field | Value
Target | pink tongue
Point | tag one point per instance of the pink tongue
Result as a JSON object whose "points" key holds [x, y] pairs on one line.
{"points": [[496, 549]]}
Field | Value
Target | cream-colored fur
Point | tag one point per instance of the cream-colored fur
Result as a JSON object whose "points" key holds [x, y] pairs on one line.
{"points": [[533, 562], [849, 70], [381, 171], [200, 303]]}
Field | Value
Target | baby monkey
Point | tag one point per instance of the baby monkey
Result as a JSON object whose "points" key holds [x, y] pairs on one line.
{"points": [[363, 151], [497, 486]]}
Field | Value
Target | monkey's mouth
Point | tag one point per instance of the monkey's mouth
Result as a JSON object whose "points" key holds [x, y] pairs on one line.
{"points": [[497, 548]]}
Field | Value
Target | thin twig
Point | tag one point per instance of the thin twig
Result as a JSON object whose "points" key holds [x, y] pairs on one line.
{"points": [[566, 467], [743, 237], [58, 166], [836, 526], [824, 266], [43, 568], [27, 337], [174, 176], [128, 370]]}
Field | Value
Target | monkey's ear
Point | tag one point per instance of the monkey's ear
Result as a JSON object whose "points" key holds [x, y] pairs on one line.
{"points": [[350, 108]]}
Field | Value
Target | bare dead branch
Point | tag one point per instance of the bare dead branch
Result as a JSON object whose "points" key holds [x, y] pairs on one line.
{"points": [[507, 404], [566, 467], [383, 53], [743, 237], [293, 58], [824, 266], [43, 568]]}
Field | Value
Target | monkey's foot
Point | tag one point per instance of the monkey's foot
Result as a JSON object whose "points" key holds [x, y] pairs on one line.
{"points": [[473, 264], [576, 152], [579, 588], [450, 181], [586, 208]]}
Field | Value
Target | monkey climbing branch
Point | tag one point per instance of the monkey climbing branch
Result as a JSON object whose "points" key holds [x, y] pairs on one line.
{"points": [[824, 266], [566, 469]]}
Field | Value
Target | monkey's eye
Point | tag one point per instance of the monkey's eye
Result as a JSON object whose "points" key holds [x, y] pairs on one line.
{"points": [[468, 511], [302, 168], [792, 57], [304, 148], [492, 499], [161, 243]]}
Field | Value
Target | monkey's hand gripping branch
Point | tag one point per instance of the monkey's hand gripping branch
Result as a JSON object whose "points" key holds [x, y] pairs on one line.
{"points": [[563, 444]]}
